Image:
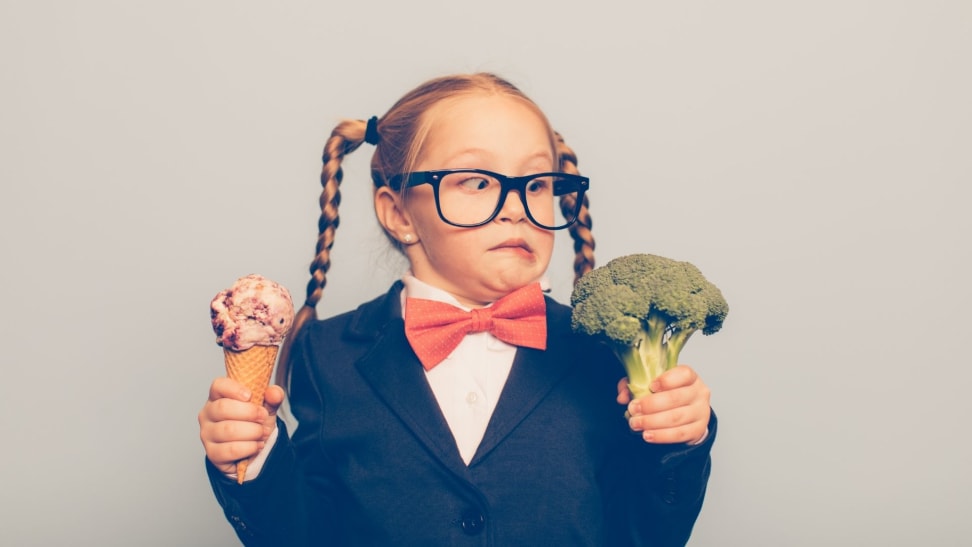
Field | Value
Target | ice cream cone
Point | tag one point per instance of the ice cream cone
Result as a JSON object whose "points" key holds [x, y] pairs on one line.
{"points": [[251, 367]]}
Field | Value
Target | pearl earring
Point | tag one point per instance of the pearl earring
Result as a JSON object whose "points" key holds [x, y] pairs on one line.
{"points": [[408, 238]]}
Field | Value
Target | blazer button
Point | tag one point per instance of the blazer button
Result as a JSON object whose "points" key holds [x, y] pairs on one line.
{"points": [[240, 525], [472, 523], [670, 483]]}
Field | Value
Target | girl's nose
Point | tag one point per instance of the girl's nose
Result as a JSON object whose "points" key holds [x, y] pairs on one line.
{"points": [[512, 210]]}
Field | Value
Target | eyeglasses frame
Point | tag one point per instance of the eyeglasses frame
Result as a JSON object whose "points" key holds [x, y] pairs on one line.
{"points": [[434, 178]]}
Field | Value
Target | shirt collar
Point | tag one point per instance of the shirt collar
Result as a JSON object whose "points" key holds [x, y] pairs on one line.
{"points": [[415, 288]]}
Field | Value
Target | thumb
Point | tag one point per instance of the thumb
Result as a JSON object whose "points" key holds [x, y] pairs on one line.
{"points": [[624, 394], [273, 398], [680, 376]]}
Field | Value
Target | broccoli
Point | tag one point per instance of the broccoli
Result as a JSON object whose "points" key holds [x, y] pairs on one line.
{"points": [[645, 308]]}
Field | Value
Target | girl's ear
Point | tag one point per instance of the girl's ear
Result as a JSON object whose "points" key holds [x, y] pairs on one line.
{"points": [[392, 215]]}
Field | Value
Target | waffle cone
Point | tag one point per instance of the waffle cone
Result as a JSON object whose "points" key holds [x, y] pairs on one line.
{"points": [[251, 367]]}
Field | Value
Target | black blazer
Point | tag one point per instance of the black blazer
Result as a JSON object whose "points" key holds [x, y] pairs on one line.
{"points": [[373, 462]]}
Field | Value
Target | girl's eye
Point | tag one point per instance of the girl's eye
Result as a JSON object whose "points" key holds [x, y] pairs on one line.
{"points": [[475, 183], [536, 186]]}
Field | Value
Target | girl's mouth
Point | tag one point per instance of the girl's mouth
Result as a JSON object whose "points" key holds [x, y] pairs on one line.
{"points": [[514, 245]]}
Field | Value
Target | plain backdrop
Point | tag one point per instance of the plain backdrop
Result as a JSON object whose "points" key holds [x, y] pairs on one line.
{"points": [[812, 158]]}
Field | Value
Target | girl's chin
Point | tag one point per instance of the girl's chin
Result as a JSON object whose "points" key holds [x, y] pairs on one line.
{"points": [[502, 285]]}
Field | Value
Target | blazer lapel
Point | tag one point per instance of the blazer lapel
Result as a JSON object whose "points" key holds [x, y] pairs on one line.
{"points": [[395, 374], [534, 374]]}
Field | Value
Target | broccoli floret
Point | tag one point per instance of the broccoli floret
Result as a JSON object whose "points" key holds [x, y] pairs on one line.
{"points": [[645, 307]]}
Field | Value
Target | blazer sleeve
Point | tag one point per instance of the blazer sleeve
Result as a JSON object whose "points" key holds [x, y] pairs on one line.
{"points": [[666, 489], [264, 511], [657, 489], [271, 509]]}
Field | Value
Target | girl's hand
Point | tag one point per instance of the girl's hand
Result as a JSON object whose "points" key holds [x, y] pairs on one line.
{"points": [[231, 428], [677, 410]]}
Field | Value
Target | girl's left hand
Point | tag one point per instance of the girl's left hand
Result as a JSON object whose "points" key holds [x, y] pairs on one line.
{"points": [[677, 410]]}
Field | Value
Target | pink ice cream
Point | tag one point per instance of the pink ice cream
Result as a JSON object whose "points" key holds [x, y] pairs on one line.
{"points": [[255, 311]]}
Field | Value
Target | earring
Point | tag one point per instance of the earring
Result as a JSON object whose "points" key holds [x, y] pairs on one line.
{"points": [[408, 238]]}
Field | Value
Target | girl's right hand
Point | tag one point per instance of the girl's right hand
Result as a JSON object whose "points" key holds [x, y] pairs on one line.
{"points": [[231, 428]]}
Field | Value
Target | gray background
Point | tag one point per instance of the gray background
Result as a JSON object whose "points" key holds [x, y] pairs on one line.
{"points": [[812, 158]]}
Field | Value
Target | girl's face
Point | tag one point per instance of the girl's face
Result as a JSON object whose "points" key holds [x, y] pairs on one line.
{"points": [[478, 265]]}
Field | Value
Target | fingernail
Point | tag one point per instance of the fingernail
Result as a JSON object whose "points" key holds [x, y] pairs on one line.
{"points": [[246, 394], [654, 387], [648, 436]]}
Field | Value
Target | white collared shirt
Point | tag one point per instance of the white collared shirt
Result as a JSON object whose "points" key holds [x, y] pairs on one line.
{"points": [[468, 383]]}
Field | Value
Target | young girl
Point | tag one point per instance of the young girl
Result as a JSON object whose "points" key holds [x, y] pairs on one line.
{"points": [[516, 435]]}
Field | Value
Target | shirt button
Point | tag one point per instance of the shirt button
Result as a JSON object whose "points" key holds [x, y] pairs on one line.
{"points": [[472, 397]]}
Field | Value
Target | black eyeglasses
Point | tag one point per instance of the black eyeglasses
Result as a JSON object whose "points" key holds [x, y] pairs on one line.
{"points": [[468, 198]]}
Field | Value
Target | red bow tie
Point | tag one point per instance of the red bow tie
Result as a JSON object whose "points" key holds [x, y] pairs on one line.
{"points": [[434, 329]]}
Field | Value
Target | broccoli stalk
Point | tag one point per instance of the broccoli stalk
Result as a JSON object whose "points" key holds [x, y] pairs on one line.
{"points": [[645, 308], [652, 352]]}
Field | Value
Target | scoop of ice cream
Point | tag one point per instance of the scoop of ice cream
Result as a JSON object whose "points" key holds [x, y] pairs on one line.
{"points": [[255, 311]]}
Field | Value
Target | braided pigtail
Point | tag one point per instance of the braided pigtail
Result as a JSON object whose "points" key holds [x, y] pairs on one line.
{"points": [[345, 138], [580, 230]]}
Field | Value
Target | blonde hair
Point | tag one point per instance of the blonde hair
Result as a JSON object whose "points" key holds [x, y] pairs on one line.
{"points": [[402, 131]]}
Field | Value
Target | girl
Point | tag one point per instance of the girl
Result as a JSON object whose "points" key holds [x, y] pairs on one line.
{"points": [[509, 436]]}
